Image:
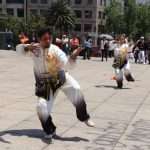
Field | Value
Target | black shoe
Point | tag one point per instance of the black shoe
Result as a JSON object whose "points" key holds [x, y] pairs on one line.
{"points": [[119, 84]]}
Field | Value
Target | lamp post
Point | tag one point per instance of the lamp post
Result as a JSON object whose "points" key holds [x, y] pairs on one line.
{"points": [[26, 12]]}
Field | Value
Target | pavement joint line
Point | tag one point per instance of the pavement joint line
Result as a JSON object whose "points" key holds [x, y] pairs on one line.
{"points": [[10, 104], [104, 101], [133, 116], [102, 118], [14, 125]]}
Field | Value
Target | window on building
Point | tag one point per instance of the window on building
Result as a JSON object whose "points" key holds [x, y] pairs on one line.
{"points": [[33, 11], [10, 11], [69, 2], [94, 29], [44, 1], [78, 1], [101, 2], [0, 1], [20, 12], [43, 12], [104, 15], [15, 1], [100, 28], [78, 13], [34, 1], [88, 14], [105, 3], [99, 14], [89, 2], [78, 27], [88, 28]]}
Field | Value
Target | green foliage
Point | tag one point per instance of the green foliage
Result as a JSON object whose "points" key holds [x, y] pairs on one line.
{"points": [[143, 21], [60, 16], [35, 22], [130, 18], [115, 19], [17, 25]]}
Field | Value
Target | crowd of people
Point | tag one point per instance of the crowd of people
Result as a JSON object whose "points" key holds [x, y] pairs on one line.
{"points": [[139, 50]]}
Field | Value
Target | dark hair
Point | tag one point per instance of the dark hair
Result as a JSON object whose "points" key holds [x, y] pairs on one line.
{"points": [[43, 31]]}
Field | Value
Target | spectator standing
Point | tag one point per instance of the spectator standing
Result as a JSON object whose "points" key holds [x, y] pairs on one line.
{"points": [[141, 47], [87, 48], [65, 44], [105, 50]]}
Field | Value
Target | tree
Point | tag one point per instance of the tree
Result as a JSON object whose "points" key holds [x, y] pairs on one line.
{"points": [[115, 19], [60, 16], [17, 25], [143, 21], [3, 22], [130, 16], [36, 22]]}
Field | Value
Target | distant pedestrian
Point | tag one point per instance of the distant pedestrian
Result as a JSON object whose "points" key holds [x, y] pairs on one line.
{"points": [[141, 47], [65, 44], [33, 38], [87, 48], [111, 48], [105, 50], [148, 50]]}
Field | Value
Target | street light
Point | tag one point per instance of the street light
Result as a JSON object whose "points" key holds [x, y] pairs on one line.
{"points": [[26, 10], [26, 13]]}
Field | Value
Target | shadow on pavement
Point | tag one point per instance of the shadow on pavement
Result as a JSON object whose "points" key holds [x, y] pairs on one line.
{"points": [[38, 134], [112, 87], [70, 139]]}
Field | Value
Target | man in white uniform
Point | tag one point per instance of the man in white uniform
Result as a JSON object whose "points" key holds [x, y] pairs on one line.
{"points": [[50, 73], [121, 62]]}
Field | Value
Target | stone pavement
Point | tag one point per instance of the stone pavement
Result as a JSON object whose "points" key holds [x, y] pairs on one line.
{"points": [[122, 117]]}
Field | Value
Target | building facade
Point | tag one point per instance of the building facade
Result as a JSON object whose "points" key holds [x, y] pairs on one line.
{"points": [[90, 15], [21, 8]]}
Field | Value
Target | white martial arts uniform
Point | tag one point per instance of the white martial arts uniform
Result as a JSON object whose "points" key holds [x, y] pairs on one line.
{"points": [[121, 64], [71, 88]]}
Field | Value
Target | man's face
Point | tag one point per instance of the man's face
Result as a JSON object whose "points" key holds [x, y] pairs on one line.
{"points": [[45, 40]]}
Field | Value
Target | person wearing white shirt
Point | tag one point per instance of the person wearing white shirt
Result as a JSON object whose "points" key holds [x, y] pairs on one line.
{"points": [[51, 75], [121, 62]]}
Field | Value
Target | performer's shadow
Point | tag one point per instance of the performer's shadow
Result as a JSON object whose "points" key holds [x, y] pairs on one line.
{"points": [[38, 134], [70, 139], [112, 87]]}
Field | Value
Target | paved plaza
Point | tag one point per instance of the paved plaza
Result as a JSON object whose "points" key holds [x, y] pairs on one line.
{"points": [[122, 117]]}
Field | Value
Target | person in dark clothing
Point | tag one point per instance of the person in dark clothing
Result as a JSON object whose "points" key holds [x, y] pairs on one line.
{"points": [[148, 50], [105, 50], [141, 47], [88, 48]]}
